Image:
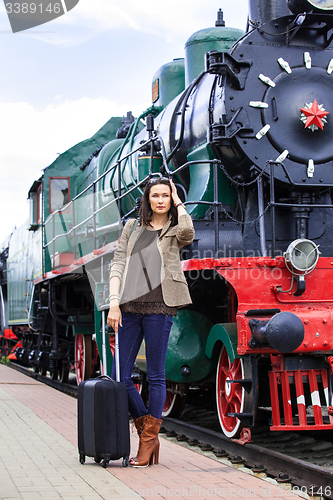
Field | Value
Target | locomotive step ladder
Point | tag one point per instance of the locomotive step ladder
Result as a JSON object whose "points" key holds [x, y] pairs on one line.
{"points": [[299, 398]]}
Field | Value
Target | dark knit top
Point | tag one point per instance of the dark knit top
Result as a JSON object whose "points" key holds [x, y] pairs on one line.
{"points": [[143, 292]]}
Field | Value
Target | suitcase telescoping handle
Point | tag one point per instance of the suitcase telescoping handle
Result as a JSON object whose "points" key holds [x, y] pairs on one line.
{"points": [[116, 357], [116, 350]]}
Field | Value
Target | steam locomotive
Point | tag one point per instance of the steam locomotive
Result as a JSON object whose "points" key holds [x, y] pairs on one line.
{"points": [[243, 127]]}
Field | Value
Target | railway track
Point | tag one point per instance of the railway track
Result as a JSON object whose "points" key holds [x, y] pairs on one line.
{"points": [[70, 388], [299, 462], [289, 472]]}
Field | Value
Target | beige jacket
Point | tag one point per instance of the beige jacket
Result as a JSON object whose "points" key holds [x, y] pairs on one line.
{"points": [[174, 286]]}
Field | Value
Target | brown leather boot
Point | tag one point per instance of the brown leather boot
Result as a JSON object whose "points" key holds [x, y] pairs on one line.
{"points": [[138, 422], [149, 443]]}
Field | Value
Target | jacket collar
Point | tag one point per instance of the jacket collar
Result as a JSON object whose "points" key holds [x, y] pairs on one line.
{"points": [[165, 227], [139, 230]]}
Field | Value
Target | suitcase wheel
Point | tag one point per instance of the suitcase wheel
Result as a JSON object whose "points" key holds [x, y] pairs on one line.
{"points": [[97, 460], [104, 463], [82, 458], [125, 461]]}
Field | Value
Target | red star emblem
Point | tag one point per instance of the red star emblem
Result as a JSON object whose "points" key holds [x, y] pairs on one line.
{"points": [[314, 115]]}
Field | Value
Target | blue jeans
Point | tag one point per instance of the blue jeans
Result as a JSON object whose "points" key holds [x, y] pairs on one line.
{"points": [[155, 329]]}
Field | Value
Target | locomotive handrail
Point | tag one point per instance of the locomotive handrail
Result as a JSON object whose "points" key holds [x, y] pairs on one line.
{"points": [[65, 207], [183, 100], [101, 177], [99, 210], [114, 200], [215, 203], [273, 204], [298, 184]]}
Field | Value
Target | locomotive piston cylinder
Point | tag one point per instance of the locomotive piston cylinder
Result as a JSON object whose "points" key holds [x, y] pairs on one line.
{"points": [[284, 332]]}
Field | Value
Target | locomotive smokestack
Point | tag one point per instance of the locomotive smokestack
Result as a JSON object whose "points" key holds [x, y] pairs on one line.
{"points": [[263, 11], [220, 21]]}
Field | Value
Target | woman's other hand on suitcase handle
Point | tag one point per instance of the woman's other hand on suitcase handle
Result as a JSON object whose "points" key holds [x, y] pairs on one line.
{"points": [[114, 317]]}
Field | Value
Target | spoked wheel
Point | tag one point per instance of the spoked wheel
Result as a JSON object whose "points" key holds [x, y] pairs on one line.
{"points": [[36, 369], [230, 397], [83, 357], [63, 371], [174, 403]]}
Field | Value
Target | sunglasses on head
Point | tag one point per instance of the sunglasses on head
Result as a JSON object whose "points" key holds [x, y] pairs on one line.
{"points": [[155, 179]]}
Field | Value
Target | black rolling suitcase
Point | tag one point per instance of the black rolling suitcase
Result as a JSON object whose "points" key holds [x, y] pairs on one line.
{"points": [[103, 423]]}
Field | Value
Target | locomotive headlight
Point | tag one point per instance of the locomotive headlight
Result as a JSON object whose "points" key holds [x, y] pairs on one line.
{"points": [[302, 256], [318, 5]]}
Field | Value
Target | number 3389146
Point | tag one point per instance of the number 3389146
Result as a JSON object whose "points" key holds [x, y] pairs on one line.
{"points": [[32, 8]]}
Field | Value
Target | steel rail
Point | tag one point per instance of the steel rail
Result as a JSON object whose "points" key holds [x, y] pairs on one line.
{"points": [[70, 390], [301, 473]]}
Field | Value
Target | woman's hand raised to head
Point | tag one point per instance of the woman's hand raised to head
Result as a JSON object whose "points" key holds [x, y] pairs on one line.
{"points": [[174, 194], [176, 200]]}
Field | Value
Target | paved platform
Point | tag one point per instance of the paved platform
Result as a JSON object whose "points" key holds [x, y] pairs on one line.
{"points": [[39, 458]]}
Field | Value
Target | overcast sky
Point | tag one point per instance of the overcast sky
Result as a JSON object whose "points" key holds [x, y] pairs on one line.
{"points": [[61, 81]]}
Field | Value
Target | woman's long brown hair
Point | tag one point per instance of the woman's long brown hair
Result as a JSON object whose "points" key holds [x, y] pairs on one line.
{"points": [[145, 212]]}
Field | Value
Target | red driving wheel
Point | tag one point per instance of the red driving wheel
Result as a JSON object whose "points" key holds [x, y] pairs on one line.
{"points": [[83, 357], [174, 402], [229, 395]]}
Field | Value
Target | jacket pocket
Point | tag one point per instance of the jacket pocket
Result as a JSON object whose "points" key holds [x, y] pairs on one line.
{"points": [[179, 277]]}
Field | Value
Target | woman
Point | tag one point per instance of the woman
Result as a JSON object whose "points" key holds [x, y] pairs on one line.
{"points": [[147, 286]]}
